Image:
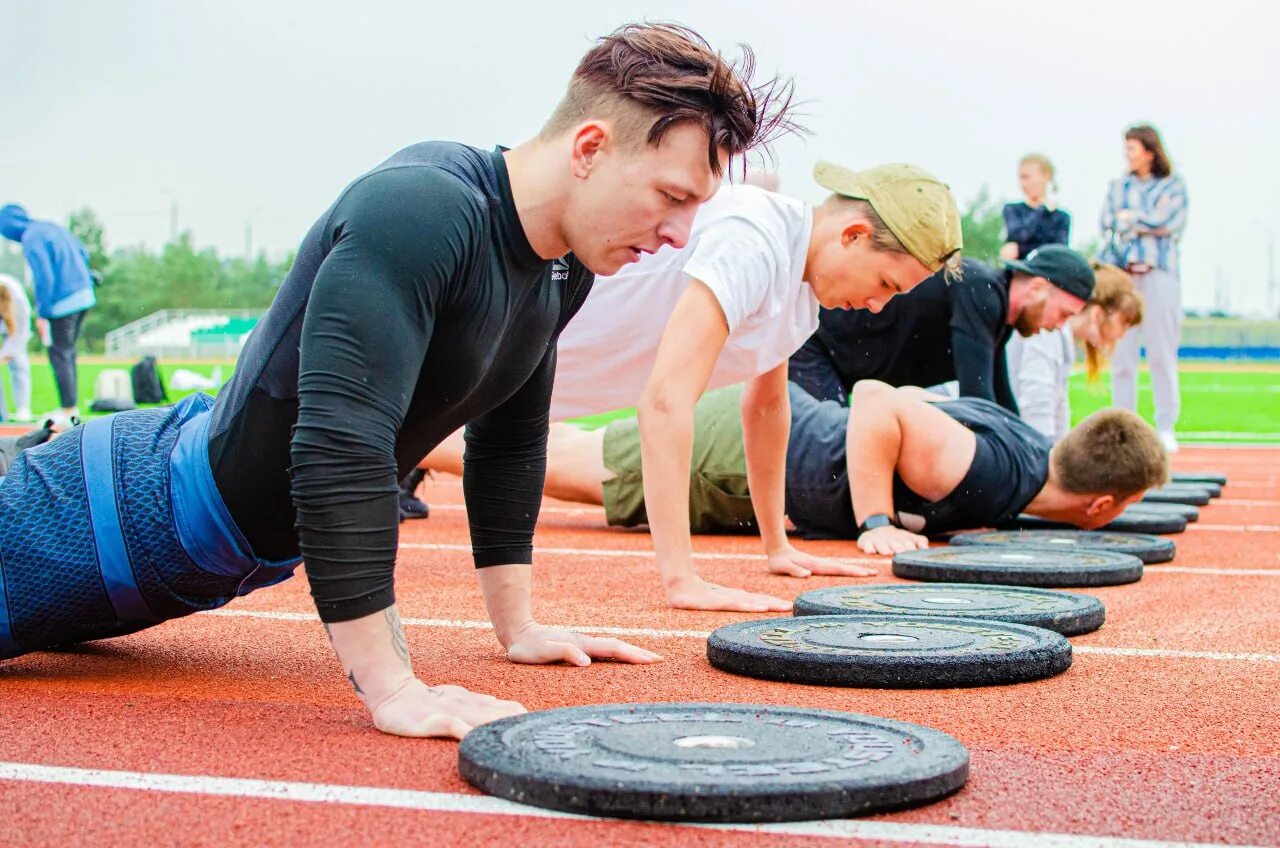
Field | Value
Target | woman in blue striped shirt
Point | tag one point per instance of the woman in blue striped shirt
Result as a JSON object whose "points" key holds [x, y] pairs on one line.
{"points": [[1142, 223]]}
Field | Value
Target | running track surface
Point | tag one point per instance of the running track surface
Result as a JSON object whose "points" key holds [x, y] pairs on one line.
{"points": [[237, 727]]}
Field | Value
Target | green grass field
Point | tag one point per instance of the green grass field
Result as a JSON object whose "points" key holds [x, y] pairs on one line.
{"points": [[1220, 403], [44, 394]]}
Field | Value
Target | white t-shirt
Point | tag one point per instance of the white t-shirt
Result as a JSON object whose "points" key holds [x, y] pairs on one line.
{"points": [[16, 345], [749, 247], [1038, 371]]}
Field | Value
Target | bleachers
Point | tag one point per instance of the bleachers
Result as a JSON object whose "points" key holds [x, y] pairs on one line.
{"points": [[184, 334]]}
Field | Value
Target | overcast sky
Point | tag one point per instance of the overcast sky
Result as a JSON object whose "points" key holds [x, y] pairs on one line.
{"points": [[257, 112]]}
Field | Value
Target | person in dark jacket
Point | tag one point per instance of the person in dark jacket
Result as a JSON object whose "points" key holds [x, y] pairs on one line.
{"points": [[943, 331]]}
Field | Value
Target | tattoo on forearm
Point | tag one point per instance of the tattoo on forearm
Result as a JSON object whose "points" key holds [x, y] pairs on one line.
{"points": [[397, 636]]}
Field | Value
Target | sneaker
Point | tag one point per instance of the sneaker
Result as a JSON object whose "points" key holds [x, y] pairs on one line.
{"points": [[23, 415], [410, 506], [1169, 441]]}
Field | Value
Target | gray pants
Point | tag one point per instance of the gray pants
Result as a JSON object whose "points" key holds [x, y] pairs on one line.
{"points": [[20, 374], [1161, 330]]}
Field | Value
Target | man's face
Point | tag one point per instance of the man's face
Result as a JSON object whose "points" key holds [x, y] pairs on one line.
{"points": [[632, 200], [849, 272], [1045, 307]]}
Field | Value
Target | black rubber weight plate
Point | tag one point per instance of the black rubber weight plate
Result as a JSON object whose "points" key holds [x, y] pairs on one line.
{"points": [[1010, 566], [1198, 477], [1130, 521], [1186, 511], [711, 762], [1061, 612], [888, 652], [1183, 493], [1145, 547]]}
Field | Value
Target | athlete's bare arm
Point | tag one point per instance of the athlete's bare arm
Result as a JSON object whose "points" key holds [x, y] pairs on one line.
{"points": [[694, 336], [898, 430]]}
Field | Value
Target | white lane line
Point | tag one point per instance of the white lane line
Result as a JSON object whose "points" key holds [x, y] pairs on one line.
{"points": [[1229, 572], [596, 511], [703, 634], [602, 552], [544, 510], [1236, 528], [605, 552], [1169, 654], [450, 802]]}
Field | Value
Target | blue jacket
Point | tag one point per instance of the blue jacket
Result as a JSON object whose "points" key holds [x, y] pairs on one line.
{"points": [[59, 263]]}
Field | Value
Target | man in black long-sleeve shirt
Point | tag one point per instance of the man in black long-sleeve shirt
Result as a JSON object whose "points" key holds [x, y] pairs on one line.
{"points": [[428, 297], [944, 331]]}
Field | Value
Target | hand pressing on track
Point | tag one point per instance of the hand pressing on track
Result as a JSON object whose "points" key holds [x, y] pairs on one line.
{"points": [[793, 563], [890, 540], [536, 644], [416, 709], [694, 593]]}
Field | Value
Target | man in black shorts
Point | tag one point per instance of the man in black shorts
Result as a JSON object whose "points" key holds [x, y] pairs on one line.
{"points": [[945, 331], [428, 297], [894, 466]]}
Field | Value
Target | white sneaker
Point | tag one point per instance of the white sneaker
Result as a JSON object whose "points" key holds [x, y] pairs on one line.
{"points": [[1169, 441], [23, 415]]}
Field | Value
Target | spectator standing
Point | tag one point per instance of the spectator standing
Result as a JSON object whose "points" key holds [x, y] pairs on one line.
{"points": [[1142, 223], [63, 287], [15, 324], [1035, 221]]}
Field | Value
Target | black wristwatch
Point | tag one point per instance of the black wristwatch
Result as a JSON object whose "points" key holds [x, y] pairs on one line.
{"points": [[874, 521]]}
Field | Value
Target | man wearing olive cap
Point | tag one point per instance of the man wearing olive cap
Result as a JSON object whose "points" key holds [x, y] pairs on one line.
{"points": [[730, 307], [947, 329]]}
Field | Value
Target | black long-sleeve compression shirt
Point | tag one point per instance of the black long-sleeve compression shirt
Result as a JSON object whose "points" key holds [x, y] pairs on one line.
{"points": [[415, 306]]}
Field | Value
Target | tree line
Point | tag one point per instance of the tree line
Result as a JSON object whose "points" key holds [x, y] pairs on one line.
{"points": [[136, 281]]}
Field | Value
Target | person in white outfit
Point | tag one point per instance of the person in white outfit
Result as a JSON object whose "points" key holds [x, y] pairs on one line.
{"points": [[15, 324], [1142, 223], [1040, 365], [730, 307]]}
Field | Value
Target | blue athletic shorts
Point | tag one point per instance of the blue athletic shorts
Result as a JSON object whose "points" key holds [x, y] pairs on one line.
{"points": [[116, 526]]}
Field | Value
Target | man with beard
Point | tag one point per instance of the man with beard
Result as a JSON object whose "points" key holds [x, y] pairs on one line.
{"points": [[946, 331]]}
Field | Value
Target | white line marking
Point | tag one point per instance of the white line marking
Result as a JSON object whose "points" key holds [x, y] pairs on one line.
{"points": [[543, 510], [1229, 572], [604, 552], [1236, 528], [703, 634], [1182, 655], [449, 802]]}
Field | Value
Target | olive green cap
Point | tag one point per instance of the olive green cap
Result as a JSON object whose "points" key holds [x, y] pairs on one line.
{"points": [[915, 205]]}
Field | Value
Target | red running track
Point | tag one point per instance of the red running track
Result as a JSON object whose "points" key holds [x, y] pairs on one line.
{"points": [[237, 727]]}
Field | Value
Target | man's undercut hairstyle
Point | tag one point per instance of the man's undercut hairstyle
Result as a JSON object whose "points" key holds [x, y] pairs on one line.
{"points": [[649, 78], [882, 237], [1112, 452]]}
